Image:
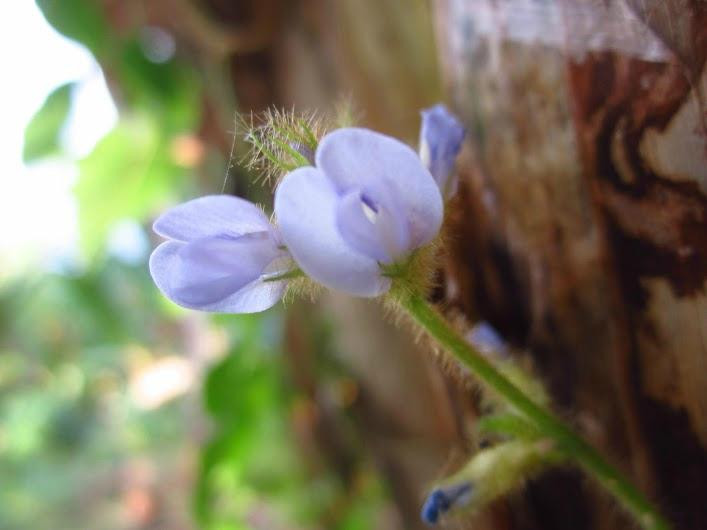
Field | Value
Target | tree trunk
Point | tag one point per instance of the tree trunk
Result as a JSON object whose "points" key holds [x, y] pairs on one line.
{"points": [[583, 226]]}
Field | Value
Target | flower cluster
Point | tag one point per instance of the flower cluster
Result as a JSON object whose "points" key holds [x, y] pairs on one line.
{"points": [[358, 213]]}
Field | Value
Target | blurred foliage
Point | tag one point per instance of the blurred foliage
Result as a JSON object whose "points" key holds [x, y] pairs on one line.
{"points": [[134, 170], [80, 447], [80, 20], [70, 346], [72, 426], [126, 175], [252, 472], [42, 133]]}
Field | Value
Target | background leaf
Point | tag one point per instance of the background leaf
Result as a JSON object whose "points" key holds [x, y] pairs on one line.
{"points": [[81, 20], [42, 132], [127, 175]]}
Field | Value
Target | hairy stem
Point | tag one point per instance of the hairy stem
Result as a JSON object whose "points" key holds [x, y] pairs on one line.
{"points": [[567, 441]]}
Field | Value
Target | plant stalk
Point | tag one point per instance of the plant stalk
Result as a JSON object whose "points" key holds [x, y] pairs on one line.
{"points": [[567, 440]]}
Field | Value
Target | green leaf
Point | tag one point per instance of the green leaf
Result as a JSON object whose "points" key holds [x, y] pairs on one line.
{"points": [[168, 91], [42, 132], [81, 20], [129, 174]]}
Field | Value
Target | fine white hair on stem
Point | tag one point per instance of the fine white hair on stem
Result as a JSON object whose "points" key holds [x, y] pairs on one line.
{"points": [[279, 140]]}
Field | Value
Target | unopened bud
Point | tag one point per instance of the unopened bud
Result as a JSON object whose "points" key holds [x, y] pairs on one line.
{"points": [[489, 474]]}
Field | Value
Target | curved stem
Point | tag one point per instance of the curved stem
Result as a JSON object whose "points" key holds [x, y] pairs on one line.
{"points": [[585, 455]]}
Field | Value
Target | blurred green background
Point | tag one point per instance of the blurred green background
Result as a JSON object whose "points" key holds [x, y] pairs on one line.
{"points": [[119, 410]]}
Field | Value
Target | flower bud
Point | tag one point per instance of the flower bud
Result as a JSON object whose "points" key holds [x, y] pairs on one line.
{"points": [[489, 474], [441, 137]]}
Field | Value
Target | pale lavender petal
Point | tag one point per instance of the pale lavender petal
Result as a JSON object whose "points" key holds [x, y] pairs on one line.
{"points": [[254, 297], [210, 216], [371, 228], [209, 269], [163, 261], [305, 206], [217, 273], [441, 137], [387, 171], [484, 337]]}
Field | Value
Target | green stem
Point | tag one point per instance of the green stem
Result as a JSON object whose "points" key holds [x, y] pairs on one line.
{"points": [[587, 457]]}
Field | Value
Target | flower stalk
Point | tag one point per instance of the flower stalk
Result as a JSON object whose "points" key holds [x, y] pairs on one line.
{"points": [[567, 441]]}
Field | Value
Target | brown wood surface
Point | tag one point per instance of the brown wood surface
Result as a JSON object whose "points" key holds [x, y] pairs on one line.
{"points": [[583, 231]]}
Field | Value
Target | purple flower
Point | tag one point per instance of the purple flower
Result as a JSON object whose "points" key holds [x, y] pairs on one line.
{"points": [[441, 137], [441, 500], [222, 255], [484, 337], [367, 204]]}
